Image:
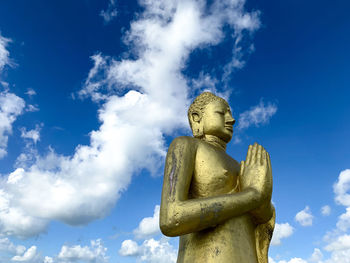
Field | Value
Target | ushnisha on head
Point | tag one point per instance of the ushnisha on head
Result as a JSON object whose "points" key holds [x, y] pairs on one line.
{"points": [[210, 115]]}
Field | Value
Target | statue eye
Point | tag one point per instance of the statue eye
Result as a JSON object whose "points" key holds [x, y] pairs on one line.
{"points": [[220, 112]]}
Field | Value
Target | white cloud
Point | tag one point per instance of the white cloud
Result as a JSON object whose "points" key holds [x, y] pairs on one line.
{"points": [[338, 256], [326, 210], [155, 251], [129, 248], [33, 135], [164, 36], [341, 188], [344, 220], [149, 226], [110, 13], [48, 259], [13, 219], [30, 92], [304, 217], [316, 256], [205, 81], [29, 256], [257, 115], [86, 185], [340, 249], [341, 243], [281, 231], [337, 240], [7, 246], [293, 260], [96, 253], [4, 53], [151, 250], [10, 107], [31, 108]]}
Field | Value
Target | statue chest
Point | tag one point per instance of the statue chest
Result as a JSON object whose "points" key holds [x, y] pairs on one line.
{"points": [[215, 172]]}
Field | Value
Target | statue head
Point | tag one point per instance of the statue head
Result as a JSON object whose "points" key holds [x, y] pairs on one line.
{"points": [[210, 114]]}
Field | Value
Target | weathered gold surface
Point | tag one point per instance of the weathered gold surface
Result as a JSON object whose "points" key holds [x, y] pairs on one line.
{"points": [[221, 209]]}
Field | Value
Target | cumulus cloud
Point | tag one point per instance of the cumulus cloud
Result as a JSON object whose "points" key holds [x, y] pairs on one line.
{"points": [[293, 260], [10, 107], [337, 241], [341, 243], [341, 188], [149, 226], [151, 250], [316, 256], [257, 115], [304, 217], [141, 100], [281, 231], [33, 135], [6, 246], [48, 259], [129, 248], [338, 245], [13, 219], [96, 253], [326, 210], [340, 249], [30, 255], [339, 253], [344, 220]]}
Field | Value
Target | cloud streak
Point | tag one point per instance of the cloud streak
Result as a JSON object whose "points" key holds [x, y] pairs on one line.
{"points": [[4, 53], [110, 13], [257, 115]]}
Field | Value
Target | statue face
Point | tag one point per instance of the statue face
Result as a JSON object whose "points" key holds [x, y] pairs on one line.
{"points": [[217, 120]]}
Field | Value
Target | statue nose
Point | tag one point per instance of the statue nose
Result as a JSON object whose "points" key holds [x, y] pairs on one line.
{"points": [[230, 120]]}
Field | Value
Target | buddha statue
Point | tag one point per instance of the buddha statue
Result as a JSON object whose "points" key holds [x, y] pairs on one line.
{"points": [[221, 209]]}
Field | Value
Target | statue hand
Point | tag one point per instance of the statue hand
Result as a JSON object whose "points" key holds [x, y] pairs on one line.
{"points": [[256, 172]]}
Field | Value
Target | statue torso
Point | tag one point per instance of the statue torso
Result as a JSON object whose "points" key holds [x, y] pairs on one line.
{"points": [[216, 173]]}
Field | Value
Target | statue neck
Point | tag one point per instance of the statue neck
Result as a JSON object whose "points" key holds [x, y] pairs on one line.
{"points": [[213, 140]]}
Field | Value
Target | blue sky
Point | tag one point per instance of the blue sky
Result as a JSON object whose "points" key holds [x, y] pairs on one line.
{"points": [[93, 92]]}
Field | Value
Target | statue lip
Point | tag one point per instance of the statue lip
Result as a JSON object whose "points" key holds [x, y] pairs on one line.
{"points": [[228, 127]]}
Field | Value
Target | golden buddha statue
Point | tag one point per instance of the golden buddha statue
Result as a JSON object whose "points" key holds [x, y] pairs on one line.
{"points": [[221, 209]]}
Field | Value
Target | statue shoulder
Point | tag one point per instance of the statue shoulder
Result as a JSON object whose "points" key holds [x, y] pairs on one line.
{"points": [[185, 143], [185, 140]]}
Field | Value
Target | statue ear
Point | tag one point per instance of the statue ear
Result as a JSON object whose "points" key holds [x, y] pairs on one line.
{"points": [[197, 126], [195, 117]]}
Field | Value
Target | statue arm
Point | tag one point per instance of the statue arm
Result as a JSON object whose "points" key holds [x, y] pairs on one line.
{"points": [[180, 215]]}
